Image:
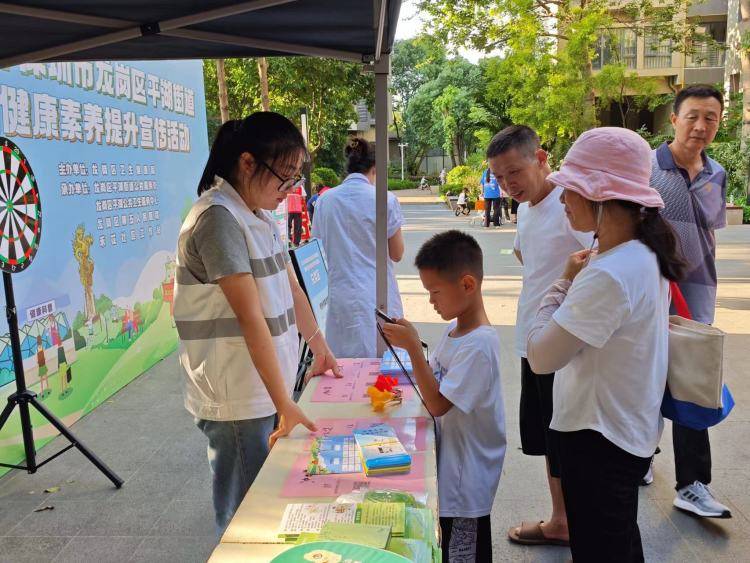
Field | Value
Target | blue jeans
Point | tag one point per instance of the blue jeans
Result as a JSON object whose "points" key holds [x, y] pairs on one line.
{"points": [[236, 452]]}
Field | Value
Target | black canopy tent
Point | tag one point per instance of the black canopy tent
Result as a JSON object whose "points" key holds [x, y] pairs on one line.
{"points": [[351, 30]]}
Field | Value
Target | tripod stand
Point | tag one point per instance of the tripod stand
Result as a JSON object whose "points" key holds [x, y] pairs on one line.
{"points": [[23, 397]]}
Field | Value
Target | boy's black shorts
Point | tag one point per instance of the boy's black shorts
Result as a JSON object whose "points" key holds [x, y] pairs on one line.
{"points": [[536, 414]]}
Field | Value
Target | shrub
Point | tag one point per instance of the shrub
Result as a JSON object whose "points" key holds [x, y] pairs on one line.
{"points": [[451, 189], [325, 176], [396, 184]]}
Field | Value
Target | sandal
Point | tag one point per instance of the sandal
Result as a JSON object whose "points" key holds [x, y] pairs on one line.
{"points": [[531, 534]]}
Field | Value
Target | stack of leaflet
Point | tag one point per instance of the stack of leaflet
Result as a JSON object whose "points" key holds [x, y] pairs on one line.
{"points": [[381, 451], [389, 366]]}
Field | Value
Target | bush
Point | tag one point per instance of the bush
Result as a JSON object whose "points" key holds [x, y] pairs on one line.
{"points": [[396, 184], [466, 177], [325, 176], [746, 214], [735, 162], [451, 189]]}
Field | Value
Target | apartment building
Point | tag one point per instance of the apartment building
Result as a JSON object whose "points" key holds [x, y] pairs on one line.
{"points": [[645, 54]]}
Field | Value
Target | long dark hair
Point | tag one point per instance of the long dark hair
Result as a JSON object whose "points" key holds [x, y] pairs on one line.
{"points": [[360, 156], [656, 233], [268, 136]]}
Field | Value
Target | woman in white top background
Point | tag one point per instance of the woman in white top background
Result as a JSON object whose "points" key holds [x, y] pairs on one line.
{"points": [[603, 328], [345, 223]]}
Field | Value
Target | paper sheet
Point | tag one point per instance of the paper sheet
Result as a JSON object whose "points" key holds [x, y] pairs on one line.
{"points": [[299, 485], [411, 431], [358, 375]]}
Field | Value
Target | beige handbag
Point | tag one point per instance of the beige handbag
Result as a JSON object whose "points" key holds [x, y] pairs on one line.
{"points": [[696, 355], [695, 396]]}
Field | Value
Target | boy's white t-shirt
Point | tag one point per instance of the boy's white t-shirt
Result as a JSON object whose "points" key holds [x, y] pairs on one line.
{"points": [[619, 306], [546, 240], [472, 433], [462, 198]]}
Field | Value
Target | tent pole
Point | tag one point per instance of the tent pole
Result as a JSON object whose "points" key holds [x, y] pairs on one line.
{"points": [[382, 72]]}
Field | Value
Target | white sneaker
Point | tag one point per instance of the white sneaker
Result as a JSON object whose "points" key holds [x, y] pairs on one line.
{"points": [[648, 478], [698, 499]]}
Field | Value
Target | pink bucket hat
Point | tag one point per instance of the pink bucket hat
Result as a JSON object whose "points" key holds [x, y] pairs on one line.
{"points": [[609, 163]]}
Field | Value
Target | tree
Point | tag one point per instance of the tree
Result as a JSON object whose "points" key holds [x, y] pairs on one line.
{"points": [[547, 69], [414, 63], [103, 304], [446, 112], [328, 89], [745, 54]]}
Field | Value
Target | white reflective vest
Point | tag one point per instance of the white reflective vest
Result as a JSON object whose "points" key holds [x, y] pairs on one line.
{"points": [[221, 382]]}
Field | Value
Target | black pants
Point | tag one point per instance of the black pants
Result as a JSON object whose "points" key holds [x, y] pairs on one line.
{"points": [[472, 540], [600, 486], [493, 204], [692, 455], [294, 223]]}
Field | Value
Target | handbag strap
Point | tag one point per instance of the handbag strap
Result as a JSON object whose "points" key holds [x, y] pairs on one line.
{"points": [[679, 301]]}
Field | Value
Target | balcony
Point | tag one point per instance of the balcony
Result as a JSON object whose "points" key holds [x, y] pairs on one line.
{"points": [[707, 56], [708, 8]]}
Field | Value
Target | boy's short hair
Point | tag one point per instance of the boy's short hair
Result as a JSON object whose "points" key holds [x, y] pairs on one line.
{"points": [[452, 253], [520, 137], [697, 91]]}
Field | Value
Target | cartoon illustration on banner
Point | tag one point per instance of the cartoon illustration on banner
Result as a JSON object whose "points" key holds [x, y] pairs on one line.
{"points": [[116, 150]]}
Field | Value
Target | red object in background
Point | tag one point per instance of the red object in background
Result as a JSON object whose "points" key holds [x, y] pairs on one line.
{"points": [[385, 383], [294, 201]]}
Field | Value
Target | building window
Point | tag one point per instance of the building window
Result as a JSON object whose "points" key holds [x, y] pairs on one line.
{"points": [[657, 52], [617, 46], [712, 53]]}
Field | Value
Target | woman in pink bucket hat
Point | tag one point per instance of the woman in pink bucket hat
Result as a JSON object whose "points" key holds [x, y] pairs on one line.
{"points": [[603, 327]]}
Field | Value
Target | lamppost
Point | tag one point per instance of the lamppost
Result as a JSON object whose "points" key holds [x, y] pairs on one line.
{"points": [[401, 146]]}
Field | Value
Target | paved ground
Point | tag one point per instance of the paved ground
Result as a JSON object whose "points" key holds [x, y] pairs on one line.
{"points": [[163, 513]]}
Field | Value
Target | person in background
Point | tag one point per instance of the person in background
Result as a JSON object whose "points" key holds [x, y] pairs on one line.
{"points": [[603, 327], [238, 307], [694, 189], [345, 224], [491, 194], [461, 387], [443, 176], [312, 200], [462, 202], [294, 204], [544, 240]]}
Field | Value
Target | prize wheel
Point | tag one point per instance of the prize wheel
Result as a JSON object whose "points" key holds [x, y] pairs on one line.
{"points": [[20, 210]]}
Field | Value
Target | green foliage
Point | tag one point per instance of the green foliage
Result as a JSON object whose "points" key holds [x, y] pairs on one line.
{"points": [[103, 304], [735, 162], [79, 321], [325, 176], [546, 78], [451, 189], [327, 88], [464, 176], [395, 184], [158, 294]]}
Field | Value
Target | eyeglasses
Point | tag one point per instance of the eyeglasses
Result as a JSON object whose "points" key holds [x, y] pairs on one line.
{"points": [[286, 183]]}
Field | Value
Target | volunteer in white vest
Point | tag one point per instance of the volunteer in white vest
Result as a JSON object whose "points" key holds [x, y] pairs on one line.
{"points": [[238, 304], [345, 223], [603, 327]]}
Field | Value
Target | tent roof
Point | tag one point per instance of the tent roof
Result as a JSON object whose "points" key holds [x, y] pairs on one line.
{"points": [[48, 30]]}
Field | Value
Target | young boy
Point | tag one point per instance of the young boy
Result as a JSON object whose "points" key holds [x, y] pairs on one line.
{"points": [[461, 388]]}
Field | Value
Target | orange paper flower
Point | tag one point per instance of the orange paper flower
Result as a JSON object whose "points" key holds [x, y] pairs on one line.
{"points": [[379, 399]]}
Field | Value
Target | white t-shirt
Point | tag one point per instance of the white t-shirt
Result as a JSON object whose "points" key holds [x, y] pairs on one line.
{"points": [[472, 432], [619, 306], [546, 240], [462, 198]]}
